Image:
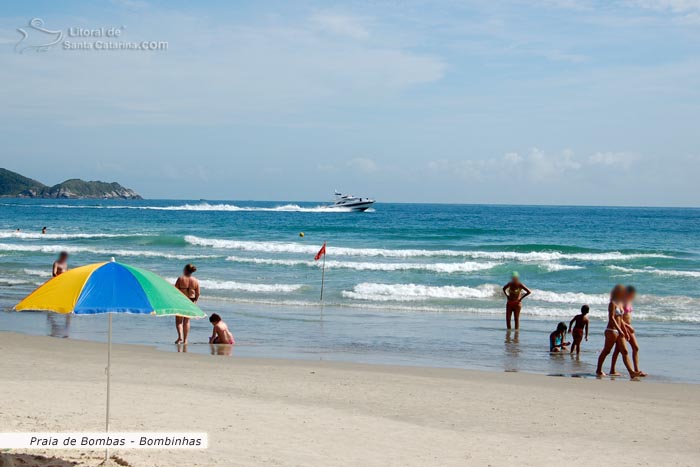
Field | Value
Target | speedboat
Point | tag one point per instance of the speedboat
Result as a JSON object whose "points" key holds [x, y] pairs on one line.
{"points": [[351, 202]]}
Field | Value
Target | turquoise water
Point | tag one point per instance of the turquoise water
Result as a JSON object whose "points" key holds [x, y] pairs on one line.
{"points": [[405, 283]]}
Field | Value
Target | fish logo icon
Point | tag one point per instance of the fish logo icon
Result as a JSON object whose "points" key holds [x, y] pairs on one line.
{"points": [[41, 38]]}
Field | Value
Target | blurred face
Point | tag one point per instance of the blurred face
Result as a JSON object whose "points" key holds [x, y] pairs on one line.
{"points": [[618, 294], [631, 296], [63, 258], [515, 279]]}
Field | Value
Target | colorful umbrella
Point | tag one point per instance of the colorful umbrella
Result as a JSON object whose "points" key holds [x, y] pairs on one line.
{"points": [[110, 288]]}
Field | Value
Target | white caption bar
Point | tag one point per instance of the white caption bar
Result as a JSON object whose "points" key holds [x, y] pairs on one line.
{"points": [[135, 440]]}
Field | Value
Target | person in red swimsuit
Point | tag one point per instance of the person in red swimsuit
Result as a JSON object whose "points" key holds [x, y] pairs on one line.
{"points": [[580, 325], [513, 290]]}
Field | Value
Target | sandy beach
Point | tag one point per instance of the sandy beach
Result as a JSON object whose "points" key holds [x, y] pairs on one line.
{"points": [[294, 413]]}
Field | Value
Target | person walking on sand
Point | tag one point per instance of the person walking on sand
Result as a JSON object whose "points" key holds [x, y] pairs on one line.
{"points": [[617, 332], [515, 291], [189, 286], [630, 295], [60, 265], [580, 324]]}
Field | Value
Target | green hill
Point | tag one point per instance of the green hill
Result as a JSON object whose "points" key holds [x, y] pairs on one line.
{"points": [[15, 185], [12, 183]]}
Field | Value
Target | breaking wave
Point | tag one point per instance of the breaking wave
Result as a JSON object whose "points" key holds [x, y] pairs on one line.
{"points": [[212, 284], [658, 272], [366, 266], [63, 236], [298, 248], [556, 267], [37, 272], [97, 251]]}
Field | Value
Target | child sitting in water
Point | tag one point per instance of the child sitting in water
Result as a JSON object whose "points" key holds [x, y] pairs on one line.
{"points": [[220, 334], [556, 339], [580, 324]]}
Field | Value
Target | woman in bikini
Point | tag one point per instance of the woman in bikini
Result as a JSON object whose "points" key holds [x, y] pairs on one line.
{"points": [[513, 290], [631, 292], [189, 286], [617, 332]]}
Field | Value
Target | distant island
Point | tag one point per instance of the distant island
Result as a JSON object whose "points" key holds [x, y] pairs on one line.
{"points": [[14, 185]]}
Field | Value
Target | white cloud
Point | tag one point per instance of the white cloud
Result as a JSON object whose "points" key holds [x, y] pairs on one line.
{"points": [[675, 6], [341, 25], [613, 159], [219, 73], [534, 165], [363, 164]]}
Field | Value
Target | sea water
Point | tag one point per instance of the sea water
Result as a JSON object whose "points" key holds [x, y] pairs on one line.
{"points": [[414, 284]]}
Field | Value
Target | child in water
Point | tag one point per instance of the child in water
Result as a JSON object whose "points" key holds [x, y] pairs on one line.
{"points": [[556, 339], [220, 333], [580, 324]]}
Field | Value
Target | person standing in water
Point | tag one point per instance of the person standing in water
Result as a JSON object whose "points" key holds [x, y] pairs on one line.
{"points": [[580, 325], [616, 333], [630, 294], [60, 265], [189, 286], [43, 231], [515, 291]]}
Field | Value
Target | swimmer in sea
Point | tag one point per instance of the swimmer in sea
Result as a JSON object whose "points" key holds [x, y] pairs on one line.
{"points": [[580, 324], [220, 334], [616, 333], [515, 291], [556, 339], [627, 318], [189, 286], [43, 231], [60, 265]]}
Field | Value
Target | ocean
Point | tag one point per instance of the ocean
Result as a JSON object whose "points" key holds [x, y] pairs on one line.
{"points": [[410, 284]]}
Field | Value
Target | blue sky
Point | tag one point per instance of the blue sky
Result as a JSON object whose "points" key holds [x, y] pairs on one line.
{"points": [[515, 101]]}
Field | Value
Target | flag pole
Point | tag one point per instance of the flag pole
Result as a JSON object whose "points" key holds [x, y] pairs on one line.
{"points": [[323, 273]]}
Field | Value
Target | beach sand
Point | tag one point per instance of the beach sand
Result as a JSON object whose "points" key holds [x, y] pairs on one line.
{"points": [[315, 413]]}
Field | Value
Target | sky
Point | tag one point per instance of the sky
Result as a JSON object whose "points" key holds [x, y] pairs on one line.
{"points": [[473, 101]]}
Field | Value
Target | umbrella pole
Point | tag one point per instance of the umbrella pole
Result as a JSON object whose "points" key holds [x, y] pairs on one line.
{"points": [[109, 373]]}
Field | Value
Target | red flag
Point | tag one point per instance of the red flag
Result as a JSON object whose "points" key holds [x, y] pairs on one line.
{"points": [[321, 252]]}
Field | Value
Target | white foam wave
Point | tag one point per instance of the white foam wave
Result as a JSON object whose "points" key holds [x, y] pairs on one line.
{"points": [[417, 292], [658, 272], [10, 281], [367, 266], [373, 292], [62, 236], [37, 272], [97, 251], [301, 248], [212, 284], [555, 267]]}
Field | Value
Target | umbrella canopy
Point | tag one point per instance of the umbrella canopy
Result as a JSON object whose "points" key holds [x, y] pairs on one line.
{"points": [[110, 287]]}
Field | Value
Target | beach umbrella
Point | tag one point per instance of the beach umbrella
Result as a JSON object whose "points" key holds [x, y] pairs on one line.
{"points": [[109, 287]]}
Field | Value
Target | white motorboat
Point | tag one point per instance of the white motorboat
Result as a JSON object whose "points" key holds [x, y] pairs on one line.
{"points": [[351, 202]]}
